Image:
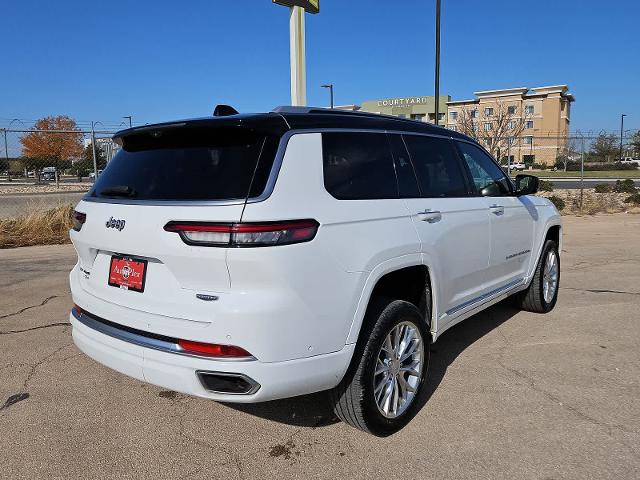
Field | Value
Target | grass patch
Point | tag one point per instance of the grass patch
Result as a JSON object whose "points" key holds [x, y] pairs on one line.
{"points": [[37, 227]]}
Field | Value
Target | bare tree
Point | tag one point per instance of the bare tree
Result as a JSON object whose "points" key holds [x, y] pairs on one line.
{"points": [[497, 126]]}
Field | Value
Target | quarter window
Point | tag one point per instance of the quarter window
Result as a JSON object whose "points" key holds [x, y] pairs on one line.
{"points": [[437, 168], [488, 178], [358, 166]]}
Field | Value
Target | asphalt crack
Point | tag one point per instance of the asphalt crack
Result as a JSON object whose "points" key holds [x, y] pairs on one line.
{"points": [[600, 290], [44, 302], [608, 428], [58, 324]]}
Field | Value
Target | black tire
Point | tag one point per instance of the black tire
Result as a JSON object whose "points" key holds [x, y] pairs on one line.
{"points": [[532, 299], [353, 399]]}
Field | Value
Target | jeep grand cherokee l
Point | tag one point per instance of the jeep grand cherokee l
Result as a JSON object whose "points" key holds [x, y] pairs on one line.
{"points": [[245, 258]]}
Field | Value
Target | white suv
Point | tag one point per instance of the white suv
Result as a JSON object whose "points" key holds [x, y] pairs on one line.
{"points": [[245, 258]]}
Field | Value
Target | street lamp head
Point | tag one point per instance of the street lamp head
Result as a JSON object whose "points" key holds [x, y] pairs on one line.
{"points": [[330, 85]]}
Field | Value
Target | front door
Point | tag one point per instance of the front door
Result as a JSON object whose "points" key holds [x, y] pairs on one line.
{"points": [[512, 218]]}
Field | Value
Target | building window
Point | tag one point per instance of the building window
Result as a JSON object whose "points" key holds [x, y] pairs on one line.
{"points": [[511, 140], [418, 116], [512, 124], [487, 126], [474, 113], [528, 124], [527, 140], [529, 159], [488, 142], [453, 127], [511, 110], [528, 109], [488, 112], [441, 116], [453, 116]]}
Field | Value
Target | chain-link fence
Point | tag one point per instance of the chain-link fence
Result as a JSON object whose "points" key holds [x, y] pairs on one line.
{"points": [[42, 169]]}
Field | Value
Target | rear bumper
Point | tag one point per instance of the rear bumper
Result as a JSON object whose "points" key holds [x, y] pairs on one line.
{"points": [[179, 372]]}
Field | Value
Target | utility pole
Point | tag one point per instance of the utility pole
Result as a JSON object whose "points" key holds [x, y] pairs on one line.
{"points": [[330, 87], [6, 154], [129, 117], [437, 79], [582, 174], [621, 130], [93, 148]]}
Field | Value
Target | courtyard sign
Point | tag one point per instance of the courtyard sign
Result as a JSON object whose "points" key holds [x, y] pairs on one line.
{"points": [[403, 102]]}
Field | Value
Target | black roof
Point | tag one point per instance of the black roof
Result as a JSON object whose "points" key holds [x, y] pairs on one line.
{"points": [[283, 119]]}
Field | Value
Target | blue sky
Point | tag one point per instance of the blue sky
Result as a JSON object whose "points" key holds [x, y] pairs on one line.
{"points": [[163, 60]]}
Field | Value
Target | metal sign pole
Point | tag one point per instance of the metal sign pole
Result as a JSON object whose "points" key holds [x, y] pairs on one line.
{"points": [[298, 63]]}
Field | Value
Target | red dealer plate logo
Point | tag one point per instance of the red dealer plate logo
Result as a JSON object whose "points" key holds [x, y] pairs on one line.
{"points": [[127, 273]]}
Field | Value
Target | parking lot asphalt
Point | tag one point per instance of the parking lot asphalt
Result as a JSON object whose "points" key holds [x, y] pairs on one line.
{"points": [[512, 394]]}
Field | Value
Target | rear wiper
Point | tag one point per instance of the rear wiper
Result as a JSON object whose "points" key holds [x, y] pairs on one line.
{"points": [[119, 191]]}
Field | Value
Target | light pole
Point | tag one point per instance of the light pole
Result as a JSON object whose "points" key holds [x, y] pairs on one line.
{"points": [[93, 148], [621, 130], [437, 76], [330, 87], [129, 117]]}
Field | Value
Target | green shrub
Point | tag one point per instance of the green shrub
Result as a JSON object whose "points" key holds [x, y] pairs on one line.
{"points": [[635, 199], [545, 186], [625, 186], [557, 201], [602, 188], [539, 166], [596, 167]]}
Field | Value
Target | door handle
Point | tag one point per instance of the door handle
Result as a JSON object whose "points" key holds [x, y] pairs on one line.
{"points": [[497, 209], [430, 216]]}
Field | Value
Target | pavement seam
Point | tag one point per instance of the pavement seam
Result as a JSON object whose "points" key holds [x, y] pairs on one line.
{"points": [[600, 290]]}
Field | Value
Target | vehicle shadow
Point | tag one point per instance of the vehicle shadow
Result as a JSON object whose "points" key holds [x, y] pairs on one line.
{"points": [[313, 410]]}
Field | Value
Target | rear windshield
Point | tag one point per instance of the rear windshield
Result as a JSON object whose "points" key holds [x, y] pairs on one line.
{"points": [[228, 163]]}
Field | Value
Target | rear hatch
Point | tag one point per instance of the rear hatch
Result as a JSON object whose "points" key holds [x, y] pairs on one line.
{"points": [[188, 172]]}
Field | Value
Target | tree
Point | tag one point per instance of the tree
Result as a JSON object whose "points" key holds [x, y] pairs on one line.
{"points": [[87, 157], [635, 144], [605, 148], [44, 148], [497, 129]]}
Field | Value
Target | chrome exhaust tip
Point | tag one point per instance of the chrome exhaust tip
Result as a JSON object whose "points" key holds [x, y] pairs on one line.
{"points": [[227, 383]]}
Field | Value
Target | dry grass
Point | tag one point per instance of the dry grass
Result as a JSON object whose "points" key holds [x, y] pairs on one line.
{"points": [[592, 203], [37, 227]]}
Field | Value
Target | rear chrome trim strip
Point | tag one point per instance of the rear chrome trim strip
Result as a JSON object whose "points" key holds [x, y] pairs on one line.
{"points": [[486, 296], [155, 342]]}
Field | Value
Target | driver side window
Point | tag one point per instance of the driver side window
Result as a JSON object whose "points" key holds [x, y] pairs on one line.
{"points": [[488, 178]]}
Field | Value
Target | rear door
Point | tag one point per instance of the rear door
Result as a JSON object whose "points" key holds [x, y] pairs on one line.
{"points": [[454, 227], [512, 220], [187, 174]]}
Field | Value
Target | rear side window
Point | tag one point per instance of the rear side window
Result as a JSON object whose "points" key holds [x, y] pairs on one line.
{"points": [[189, 164], [358, 166], [437, 167]]}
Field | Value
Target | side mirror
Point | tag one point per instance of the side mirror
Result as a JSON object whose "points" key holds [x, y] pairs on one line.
{"points": [[526, 184]]}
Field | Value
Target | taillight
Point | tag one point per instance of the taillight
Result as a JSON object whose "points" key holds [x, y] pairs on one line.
{"points": [[77, 220], [244, 234], [212, 349]]}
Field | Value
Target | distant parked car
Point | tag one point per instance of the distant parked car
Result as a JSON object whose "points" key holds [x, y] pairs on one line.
{"points": [[518, 166], [93, 174], [630, 160], [48, 173]]}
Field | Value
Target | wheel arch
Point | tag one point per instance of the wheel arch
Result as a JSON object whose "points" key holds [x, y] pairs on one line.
{"points": [[403, 281]]}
